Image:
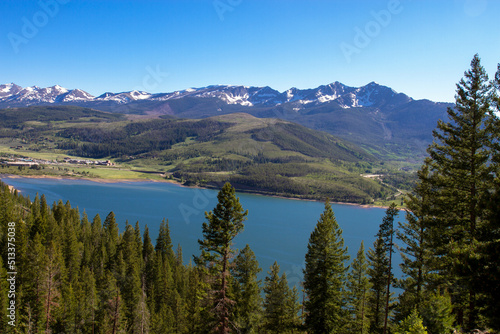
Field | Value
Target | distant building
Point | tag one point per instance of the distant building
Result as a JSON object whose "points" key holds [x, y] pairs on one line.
{"points": [[21, 163]]}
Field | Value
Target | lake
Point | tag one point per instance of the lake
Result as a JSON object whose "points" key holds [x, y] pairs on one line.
{"points": [[277, 229]]}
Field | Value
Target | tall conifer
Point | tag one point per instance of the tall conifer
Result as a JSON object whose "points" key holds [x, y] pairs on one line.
{"points": [[387, 234], [224, 224], [248, 308], [377, 273], [460, 161], [357, 293], [324, 276], [280, 304]]}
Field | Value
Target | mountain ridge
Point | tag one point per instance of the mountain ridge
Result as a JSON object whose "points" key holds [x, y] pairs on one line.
{"points": [[346, 96]]}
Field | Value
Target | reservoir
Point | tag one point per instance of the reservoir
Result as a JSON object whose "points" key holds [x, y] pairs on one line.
{"points": [[277, 229]]}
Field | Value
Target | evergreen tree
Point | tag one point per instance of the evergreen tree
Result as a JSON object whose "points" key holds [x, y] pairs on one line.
{"points": [[411, 325], [130, 283], [85, 239], [110, 239], [87, 301], [280, 304], [357, 293], [490, 238], [33, 276], [72, 250], [51, 277], [419, 267], [196, 311], [4, 292], [164, 243], [377, 273], [437, 313], [248, 308], [224, 223], [324, 276], [460, 163], [149, 268], [386, 232], [111, 314], [162, 320], [180, 273]]}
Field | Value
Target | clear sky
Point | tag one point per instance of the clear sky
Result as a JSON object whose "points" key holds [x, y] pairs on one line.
{"points": [[418, 47]]}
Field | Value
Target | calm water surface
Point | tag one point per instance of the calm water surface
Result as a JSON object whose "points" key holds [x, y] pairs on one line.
{"points": [[277, 229]]}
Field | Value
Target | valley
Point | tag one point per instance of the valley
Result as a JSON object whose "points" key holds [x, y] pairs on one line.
{"points": [[261, 155]]}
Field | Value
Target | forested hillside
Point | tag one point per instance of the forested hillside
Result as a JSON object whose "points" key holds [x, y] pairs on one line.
{"points": [[261, 155]]}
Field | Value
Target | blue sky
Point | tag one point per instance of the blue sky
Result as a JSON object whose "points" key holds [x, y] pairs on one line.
{"points": [[419, 47]]}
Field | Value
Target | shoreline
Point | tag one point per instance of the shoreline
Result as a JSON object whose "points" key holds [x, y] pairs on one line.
{"points": [[110, 181]]}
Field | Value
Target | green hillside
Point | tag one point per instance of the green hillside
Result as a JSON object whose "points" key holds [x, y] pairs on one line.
{"points": [[268, 156]]}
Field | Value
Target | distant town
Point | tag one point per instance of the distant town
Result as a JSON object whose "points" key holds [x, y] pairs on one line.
{"points": [[30, 162]]}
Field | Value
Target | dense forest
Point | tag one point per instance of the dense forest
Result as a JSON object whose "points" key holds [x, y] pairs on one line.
{"points": [[62, 272]]}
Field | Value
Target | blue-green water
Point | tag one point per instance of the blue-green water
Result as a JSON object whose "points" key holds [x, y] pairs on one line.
{"points": [[277, 229]]}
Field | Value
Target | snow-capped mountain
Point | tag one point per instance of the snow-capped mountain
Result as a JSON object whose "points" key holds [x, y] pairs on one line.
{"points": [[8, 90], [370, 95], [124, 97], [36, 95], [372, 115], [75, 95]]}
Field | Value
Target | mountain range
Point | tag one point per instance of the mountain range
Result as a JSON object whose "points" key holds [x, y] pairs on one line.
{"points": [[371, 95], [384, 122]]}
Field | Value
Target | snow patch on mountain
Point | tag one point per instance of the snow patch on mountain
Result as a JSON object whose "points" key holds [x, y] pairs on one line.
{"points": [[8, 90], [77, 95]]}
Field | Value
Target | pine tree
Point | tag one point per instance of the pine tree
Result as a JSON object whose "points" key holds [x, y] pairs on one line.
{"points": [[248, 308], [224, 223], [110, 315], [180, 273], [52, 276], [33, 276], [164, 246], [72, 250], [87, 301], [386, 232], [324, 276], [490, 236], [130, 283], [85, 239], [460, 163], [280, 304], [110, 239], [377, 273], [149, 269], [412, 324], [437, 312], [162, 320], [419, 266], [357, 293], [4, 301], [195, 298]]}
